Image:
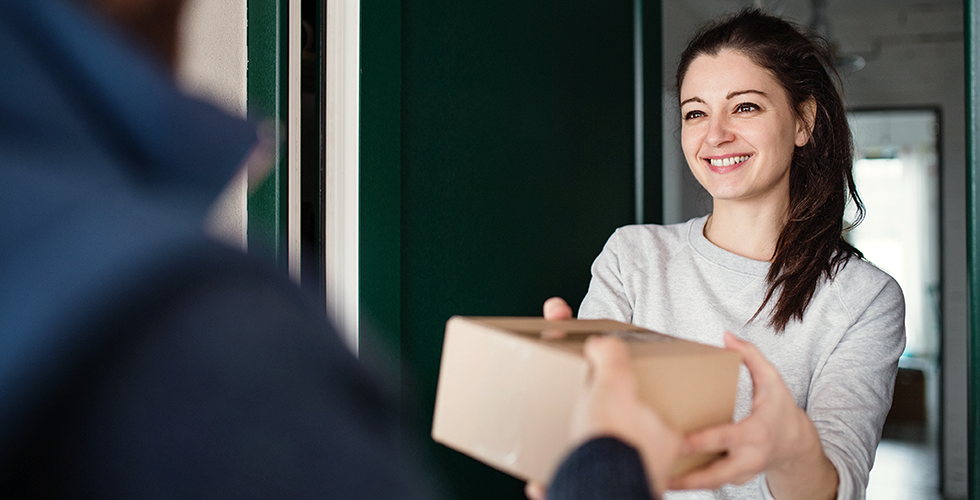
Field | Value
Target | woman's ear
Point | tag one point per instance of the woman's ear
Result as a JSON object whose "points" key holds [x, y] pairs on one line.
{"points": [[804, 126]]}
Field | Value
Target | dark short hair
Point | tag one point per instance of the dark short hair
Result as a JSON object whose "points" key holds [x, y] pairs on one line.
{"points": [[150, 23], [811, 246]]}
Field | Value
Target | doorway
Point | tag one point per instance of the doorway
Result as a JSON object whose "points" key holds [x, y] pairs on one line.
{"points": [[896, 169]]}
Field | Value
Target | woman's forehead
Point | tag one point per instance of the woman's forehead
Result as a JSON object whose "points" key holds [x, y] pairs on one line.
{"points": [[725, 75]]}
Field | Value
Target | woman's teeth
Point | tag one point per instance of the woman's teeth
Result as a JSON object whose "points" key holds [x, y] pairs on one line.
{"points": [[727, 162]]}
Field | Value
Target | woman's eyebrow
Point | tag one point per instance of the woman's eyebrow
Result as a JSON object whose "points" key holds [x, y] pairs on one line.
{"points": [[736, 93]]}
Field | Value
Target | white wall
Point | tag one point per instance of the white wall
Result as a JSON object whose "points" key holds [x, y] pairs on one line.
{"points": [[213, 58], [213, 64]]}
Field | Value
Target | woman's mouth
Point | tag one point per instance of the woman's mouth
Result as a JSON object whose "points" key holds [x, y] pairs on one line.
{"points": [[725, 165], [727, 162]]}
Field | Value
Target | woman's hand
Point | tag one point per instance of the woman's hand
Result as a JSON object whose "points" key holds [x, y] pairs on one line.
{"points": [[778, 438], [535, 491], [556, 309]]}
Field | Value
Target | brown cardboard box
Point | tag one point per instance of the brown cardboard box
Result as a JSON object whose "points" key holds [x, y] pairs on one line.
{"points": [[506, 394]]}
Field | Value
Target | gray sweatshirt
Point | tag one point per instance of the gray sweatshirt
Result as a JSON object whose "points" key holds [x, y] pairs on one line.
{"points": [[839, 362]]}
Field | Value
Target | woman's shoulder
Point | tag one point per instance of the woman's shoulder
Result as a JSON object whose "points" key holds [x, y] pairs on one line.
{"points": [[859, 278], [665, 235], [873, 303]]}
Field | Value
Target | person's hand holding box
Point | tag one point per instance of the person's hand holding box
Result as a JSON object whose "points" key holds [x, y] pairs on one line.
{"points": [[609, 407]]}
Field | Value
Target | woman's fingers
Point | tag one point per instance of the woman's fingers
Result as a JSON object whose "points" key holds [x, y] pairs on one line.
{"points": [[712, 440], [725, 470], [535, 491], [749, 445], [743, 456], [556, 309], [760, 368]]}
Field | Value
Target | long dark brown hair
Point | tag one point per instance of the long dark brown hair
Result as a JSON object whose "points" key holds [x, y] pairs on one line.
{"points": [[811, 246]]}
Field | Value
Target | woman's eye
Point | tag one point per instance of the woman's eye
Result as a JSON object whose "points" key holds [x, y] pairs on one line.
{"points": [[745, 107], [690, 115]]}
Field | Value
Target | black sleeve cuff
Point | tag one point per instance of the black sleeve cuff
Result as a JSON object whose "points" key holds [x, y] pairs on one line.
{"points": [[603, 468]]}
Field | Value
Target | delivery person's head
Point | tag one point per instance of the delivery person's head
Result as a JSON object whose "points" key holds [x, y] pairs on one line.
{"points": [[152, 23]]}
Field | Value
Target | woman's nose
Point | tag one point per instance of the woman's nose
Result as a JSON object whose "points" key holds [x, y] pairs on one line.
{"points": [[719, 130]]}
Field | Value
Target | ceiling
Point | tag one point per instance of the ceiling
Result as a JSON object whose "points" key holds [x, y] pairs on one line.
{"points": [[912, 49]]}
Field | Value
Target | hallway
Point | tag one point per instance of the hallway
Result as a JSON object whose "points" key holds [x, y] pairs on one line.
{"points": [[905, 470]]}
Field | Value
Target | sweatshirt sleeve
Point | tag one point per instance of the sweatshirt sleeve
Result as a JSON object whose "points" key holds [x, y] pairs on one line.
{"points": [[607, 297], [851, 394]]}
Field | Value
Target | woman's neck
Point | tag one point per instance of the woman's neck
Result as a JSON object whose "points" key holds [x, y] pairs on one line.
{"points": [[746, 229]]}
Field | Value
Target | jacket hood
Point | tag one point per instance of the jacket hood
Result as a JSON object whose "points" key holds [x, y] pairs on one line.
{"points": [[107, 173]]}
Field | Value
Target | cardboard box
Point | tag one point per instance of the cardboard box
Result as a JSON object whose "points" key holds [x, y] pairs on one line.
{"points": [[506, 393]]}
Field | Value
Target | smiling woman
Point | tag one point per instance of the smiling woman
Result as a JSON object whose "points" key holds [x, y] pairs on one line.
{"points": [[821, 330], [739, 132], [788, 77]]}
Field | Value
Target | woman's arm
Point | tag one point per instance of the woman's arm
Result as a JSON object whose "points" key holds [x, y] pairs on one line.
{"points": [[778, 438], [851, 394], [847, 401]]}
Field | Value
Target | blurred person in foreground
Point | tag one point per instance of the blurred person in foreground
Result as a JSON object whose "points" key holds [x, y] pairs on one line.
{"points": [[139, 359]]}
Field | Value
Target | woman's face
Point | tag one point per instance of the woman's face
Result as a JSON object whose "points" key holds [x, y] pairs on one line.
{"points": [[738, 129]]}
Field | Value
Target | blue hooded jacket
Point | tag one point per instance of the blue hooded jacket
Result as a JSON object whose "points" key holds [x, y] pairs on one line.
{"points": [[107, 172], [139, 359]]}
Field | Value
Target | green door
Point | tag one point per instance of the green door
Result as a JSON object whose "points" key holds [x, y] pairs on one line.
{"points": [[267, 98], [497, 155]]}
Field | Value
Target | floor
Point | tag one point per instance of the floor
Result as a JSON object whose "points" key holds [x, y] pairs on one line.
{"points": [[905, 470], [907, 461]]}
